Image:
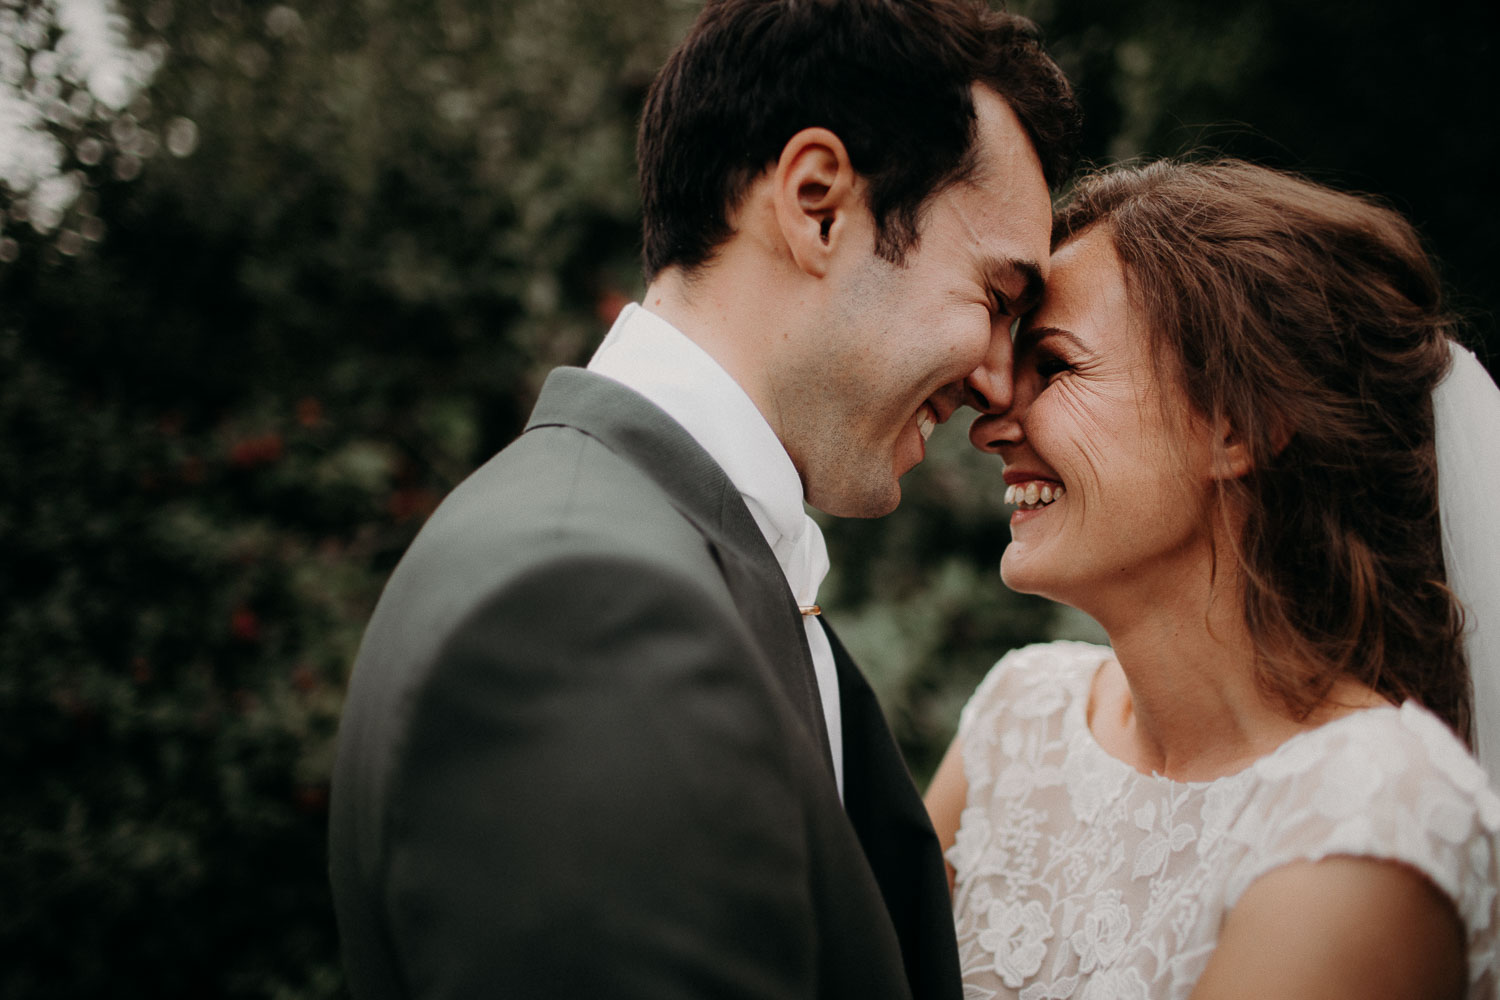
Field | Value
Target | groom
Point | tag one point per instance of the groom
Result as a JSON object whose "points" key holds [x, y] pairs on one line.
{"points": [[598, 740]]}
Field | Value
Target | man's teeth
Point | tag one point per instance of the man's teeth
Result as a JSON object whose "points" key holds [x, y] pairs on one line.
{"points": [[1032, 496], [925, 423]]}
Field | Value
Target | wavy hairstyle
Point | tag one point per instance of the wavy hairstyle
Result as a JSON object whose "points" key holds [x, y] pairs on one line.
{"points": [[1310, 322]]}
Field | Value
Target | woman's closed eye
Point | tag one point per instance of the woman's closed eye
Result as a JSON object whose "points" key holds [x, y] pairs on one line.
{"points": [[1049, 365]]}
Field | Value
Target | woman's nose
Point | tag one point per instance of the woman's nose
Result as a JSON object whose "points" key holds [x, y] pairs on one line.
{"points": [[992, 432], [1001, 427]]}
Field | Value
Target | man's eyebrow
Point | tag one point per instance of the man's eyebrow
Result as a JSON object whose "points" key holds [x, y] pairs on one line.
{"points": [[1001, 273]]}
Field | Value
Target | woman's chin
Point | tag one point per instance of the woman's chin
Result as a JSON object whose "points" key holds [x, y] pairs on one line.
{"points": [[1017, 573], [1026, 575]]}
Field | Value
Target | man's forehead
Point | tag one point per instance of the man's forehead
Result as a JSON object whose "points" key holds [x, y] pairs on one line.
{"points": [[1009, 246]]}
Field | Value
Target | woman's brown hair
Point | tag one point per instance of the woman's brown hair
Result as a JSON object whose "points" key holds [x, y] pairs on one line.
{"points": [[1310, 323]]}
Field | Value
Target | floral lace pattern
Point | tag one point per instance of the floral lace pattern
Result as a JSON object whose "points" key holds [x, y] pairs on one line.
{"points": [[1079, 877]]}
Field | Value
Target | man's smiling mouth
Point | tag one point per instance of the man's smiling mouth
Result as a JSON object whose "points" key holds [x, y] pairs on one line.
{"points": [[926, 420]]}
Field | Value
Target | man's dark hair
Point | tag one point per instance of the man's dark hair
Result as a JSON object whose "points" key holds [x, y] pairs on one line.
{"points": [[890, 78]]}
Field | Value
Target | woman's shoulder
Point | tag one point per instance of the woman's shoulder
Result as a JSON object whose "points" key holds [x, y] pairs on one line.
{"points": [[1390, 748], [1387, 784], [1036, 680]]}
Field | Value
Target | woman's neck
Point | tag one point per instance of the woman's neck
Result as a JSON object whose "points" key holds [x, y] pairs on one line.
{"points": [[1180, 702], [1181, 698]]}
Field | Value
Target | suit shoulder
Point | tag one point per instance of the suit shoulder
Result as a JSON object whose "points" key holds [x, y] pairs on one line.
{"points": [[556, 488], [553, 538], [556, 503]]}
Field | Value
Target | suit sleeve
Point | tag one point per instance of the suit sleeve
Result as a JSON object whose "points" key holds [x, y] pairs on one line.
{"points": [[597, 797]]}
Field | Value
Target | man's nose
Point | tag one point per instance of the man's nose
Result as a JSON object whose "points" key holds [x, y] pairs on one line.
{"points": [[990, 387]]}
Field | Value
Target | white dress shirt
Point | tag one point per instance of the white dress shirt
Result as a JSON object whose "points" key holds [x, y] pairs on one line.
{"points": [[646, 353]]}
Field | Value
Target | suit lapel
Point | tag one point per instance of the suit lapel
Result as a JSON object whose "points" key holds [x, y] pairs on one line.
{"points": [[881, 802], [897, 836], [632, 427]]}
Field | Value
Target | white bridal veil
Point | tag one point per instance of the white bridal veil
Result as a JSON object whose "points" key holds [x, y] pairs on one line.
{"points": [[1466, 407]]}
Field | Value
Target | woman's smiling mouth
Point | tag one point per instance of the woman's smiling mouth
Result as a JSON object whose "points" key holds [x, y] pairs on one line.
{"points": [[1033, 495]]}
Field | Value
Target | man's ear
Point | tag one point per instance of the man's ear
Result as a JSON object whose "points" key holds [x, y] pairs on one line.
{"points": [[816, 195]]}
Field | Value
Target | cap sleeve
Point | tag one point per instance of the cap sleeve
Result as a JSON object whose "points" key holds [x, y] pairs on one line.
{"points": [[1385, 784], [1032, 681]]}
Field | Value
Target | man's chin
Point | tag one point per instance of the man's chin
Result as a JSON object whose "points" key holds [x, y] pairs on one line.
{"points": [[858, 499]]}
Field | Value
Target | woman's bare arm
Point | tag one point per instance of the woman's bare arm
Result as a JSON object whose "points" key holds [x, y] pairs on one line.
{"points": [[945, 800], [1344, 927]]}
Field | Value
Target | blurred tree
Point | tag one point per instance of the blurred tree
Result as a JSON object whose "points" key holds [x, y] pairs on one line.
{"points": [[379, 226], [70, 89], [1381, 97], [345, 242]]}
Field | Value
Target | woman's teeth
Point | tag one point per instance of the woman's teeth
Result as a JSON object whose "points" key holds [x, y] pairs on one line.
{"points": [[1033, 496]]}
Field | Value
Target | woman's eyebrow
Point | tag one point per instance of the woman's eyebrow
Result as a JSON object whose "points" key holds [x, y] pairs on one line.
{"points": [[1030, 335]]}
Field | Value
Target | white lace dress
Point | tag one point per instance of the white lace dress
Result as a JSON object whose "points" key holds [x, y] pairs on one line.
{"points": [[1079, 877]]}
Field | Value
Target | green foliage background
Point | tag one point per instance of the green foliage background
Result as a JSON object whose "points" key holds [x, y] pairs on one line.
{"points": [[221, 424]]}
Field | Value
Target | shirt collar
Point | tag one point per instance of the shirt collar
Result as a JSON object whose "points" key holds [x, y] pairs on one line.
{"points": [[646, 353]]}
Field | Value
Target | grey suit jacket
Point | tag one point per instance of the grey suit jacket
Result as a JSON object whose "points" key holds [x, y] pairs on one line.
{"points": [[583, 752]]}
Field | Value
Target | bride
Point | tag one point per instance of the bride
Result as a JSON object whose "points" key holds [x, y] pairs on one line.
{"points": [[1222, 448]]}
